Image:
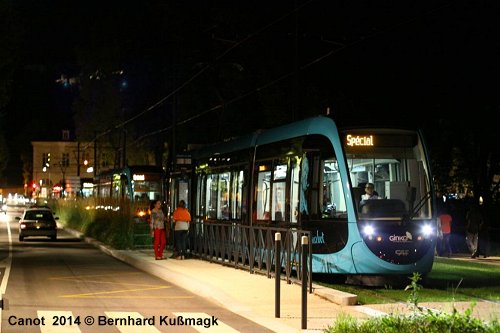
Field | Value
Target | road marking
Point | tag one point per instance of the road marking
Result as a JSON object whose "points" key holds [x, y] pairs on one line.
{"points": [[128, 328], [72, 277], [63, 317], [110, 294], [8, 264], [205, 318]]}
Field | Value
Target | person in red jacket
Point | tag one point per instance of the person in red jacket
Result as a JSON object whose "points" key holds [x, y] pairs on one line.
{"points": [[158, 230], [445, 221], [181, 218]]}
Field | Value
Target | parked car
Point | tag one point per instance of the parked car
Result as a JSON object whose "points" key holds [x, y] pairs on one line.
{"points": [[37, 222]]}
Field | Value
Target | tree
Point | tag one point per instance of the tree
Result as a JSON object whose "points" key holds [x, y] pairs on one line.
{"points": [[464, 154]]}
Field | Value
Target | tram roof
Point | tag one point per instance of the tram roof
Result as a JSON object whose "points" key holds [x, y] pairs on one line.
{"points": [[314, 125]]}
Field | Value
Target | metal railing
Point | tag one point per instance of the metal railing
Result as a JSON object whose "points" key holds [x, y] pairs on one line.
{"points": [[252, 247]]}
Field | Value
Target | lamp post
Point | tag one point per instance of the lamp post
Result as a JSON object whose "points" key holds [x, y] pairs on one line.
{"points": [[63, 166], [46, 169]]}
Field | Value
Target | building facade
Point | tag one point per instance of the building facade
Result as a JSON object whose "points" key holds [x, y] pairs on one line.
{"points": [[62, 169]]}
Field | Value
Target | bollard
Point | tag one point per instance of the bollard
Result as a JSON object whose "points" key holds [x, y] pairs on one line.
{"points": [[277, 271], [305, 247]]}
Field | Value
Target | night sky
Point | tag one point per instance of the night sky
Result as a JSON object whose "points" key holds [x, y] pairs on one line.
{"points": [[386, 61]]}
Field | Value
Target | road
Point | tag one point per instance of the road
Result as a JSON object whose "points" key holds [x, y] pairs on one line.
{"points": [[70, 286]]}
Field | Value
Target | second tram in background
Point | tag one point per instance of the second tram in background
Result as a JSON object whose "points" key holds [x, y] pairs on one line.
{"points": [[138, 184], [310, 175]]}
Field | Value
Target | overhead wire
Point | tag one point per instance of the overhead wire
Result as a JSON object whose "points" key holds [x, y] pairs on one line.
{"points": [[287, 75], [205, 68]]}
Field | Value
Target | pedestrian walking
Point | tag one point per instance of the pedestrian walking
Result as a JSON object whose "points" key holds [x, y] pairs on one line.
{"points": [[444, 221], [475, 220], [483, 247], [181, 218], [158, 230]]}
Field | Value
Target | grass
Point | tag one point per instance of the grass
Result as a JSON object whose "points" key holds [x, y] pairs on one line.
{"points": [[450, 280], [418, 321]]}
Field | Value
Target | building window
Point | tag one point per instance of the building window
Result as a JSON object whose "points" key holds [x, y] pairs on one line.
{"points": [[65, 160], [65, 135], [45, 160], [105, 158]]}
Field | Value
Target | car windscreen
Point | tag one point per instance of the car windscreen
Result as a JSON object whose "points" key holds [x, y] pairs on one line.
{"points": [[38, 215]]}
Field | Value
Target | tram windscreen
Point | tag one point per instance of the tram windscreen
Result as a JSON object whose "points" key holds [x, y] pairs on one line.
{"points": [[394, 163], [147, 190]]}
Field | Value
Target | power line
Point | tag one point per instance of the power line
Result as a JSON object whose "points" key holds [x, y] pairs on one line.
{"points": [[209, 65], [287, 75]]}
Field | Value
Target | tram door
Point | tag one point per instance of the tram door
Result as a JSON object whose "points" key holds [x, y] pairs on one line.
{"points": [[179, 190]]}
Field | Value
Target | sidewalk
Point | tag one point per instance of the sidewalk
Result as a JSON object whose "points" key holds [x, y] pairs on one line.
{"points": [[253, 295]]}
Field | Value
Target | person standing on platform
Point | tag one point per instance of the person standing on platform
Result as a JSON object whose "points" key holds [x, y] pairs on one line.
{"points": [[445, 221], [181, 218], [158, 230]]}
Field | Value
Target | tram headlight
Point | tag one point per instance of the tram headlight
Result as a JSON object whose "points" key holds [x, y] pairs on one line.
{"points": [[368, 230], [427, 230]]}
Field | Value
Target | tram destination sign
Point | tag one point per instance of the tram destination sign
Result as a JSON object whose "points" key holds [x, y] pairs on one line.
{"points": [[372, 140], [359, 140]]}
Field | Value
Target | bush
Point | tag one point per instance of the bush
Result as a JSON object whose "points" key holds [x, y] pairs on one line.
{"points": [[106, 222], [427, 322]]}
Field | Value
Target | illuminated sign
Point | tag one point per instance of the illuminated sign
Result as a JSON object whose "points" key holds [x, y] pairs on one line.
{"points": [[263, 167], [359, 140], [139, 177]]}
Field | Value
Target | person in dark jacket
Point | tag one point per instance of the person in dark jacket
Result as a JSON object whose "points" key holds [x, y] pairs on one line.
{"points": [[475, 221]]}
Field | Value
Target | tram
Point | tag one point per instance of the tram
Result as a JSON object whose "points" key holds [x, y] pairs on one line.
{"points": [[311, 175], [138, 184]]}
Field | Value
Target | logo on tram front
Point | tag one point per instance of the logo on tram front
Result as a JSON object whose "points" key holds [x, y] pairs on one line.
{"points": [[401, 239], [318, 239], [402, 252]]}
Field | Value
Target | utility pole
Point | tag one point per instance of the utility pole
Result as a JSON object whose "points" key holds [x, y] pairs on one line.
{"points": [[95, 154], [78, 158], [124, 148]]}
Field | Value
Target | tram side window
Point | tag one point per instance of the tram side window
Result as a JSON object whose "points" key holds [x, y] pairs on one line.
{"points": [[211, 196], [263, 195], [294, 190], [223, 196], [200, 195], [279, 190], [116, 189], [332, 198], [237, 194]]}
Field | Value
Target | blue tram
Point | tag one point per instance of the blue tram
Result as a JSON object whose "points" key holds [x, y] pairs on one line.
{"points": [[311, 175]]}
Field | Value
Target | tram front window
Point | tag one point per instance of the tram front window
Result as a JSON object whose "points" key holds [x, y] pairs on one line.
{"points": [[396, 168]]}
